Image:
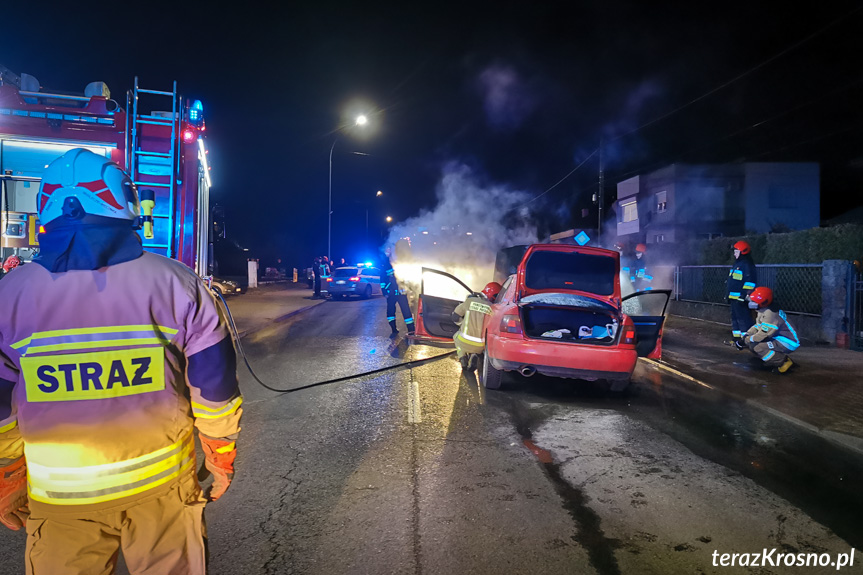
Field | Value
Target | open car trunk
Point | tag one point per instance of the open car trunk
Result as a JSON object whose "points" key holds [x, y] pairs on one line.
{"points": [[567, 317]]}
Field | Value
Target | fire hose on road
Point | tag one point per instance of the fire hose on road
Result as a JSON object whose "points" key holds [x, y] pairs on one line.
{"points": [[401, 365]]}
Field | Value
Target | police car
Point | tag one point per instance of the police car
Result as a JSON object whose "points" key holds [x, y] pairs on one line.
{"points": [[361, 281]]}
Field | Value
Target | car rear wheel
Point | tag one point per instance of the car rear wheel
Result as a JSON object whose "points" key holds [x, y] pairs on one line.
{"points": [[368, 293], [490, 377]]}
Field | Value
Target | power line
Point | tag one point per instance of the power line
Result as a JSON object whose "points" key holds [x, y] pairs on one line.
{"points": [[740, 76], [593, 153]]}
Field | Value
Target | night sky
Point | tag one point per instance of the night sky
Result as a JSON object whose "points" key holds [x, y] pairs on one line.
{"points": [[516, 93]]}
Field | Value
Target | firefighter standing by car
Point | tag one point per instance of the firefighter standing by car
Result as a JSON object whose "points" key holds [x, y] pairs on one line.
{"points": [[394, 294], [741, 281], [641, 278], [470, 316], [110, 357], [772, 338]]}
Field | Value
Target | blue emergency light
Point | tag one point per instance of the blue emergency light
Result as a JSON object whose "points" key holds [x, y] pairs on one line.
{"points": [[196, 112]]}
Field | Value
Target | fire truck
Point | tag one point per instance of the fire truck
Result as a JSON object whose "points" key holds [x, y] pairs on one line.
{"points": [[158, 138]]}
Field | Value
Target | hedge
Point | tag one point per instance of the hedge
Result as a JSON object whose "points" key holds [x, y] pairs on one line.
{"points": [[812, 246]]}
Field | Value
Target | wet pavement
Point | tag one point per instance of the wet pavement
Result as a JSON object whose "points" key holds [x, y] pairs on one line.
{"points": [[823, 393]]}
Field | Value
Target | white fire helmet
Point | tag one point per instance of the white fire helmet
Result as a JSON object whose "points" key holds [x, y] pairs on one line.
{"points": [[92, 184]]}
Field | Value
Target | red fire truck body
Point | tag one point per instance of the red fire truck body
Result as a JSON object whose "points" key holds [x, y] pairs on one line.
{"points": [[163, 151]]}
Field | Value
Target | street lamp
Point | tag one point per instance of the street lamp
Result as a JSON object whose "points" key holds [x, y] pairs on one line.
{"points": [[360, 121], [389, 219]]}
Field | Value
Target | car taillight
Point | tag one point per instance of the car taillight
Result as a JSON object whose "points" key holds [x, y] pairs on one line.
{"points": [[510, 324], [356, 279], [629, 334], [329, 279]]}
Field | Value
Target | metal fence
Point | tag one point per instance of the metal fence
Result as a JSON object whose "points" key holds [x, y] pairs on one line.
{"points": [[857, 313], [797, 287]]}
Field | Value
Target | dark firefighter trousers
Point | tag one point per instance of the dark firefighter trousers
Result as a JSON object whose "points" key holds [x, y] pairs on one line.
{"points": [[406, 311], [741, 318]]}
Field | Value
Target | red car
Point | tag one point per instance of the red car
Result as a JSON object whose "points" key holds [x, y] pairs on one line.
{"points": [[560, 314]]}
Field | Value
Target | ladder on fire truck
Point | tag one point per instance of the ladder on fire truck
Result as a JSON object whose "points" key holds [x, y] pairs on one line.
{"points": [[146, 162]]}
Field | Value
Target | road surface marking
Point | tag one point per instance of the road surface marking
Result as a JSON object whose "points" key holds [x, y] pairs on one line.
{"points": [[414, 406]]}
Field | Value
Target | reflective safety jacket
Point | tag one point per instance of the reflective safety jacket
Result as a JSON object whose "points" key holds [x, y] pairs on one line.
{"points": [[470, 315], [772, 324], [640, 274], [389, 284], [103, 376], [741, 278]]}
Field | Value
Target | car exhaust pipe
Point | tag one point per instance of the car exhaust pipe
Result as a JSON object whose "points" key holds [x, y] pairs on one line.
{"points": [[527, 370]]}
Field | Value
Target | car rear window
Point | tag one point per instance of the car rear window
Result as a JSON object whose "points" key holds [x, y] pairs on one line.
{"points": [[345, 272], [571, 271]]}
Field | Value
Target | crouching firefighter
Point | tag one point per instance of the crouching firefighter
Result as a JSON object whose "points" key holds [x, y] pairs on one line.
{"points": [[470, 317], [772, 338], [110, 358], [394, 294]]}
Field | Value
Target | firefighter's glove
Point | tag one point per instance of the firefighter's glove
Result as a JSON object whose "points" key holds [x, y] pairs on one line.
{"points": [[14, 504], [220, 455]]}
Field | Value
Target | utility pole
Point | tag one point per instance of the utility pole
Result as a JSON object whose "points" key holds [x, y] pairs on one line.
{"points": [[599, 196]]}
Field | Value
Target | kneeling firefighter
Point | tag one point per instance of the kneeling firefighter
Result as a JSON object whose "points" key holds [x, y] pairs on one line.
{"points": [[470, 317], [110, 357], [772, 338]]}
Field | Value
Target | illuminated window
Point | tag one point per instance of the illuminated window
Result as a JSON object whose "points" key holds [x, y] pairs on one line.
{"points": [[630, 212], [661, 201]]}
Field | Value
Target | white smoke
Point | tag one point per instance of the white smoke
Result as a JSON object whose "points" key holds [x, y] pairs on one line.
{"points": [[507, 99], [462, 234]]}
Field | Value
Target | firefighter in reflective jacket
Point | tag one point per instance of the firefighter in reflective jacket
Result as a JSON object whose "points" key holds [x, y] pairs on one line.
{"points": [[741, 281], [110, 358], [394, 294], [470, 316], [641, 278], [772, 338]]}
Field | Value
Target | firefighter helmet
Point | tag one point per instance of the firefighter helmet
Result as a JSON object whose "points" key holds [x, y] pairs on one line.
{"points": [[80, 183], [743, 247], [641, 248], [11, 263], [491, 290], [763, 296]]}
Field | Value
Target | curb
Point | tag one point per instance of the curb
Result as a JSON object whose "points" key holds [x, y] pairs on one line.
{"points": [[279, 319], [850, 442]]}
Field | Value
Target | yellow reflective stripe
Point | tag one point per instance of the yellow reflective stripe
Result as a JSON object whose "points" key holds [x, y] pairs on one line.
{"points": [[96, 483], [204, 412], [470, 338], [9, 426], [229, 447], [92, 330], [92, 344]]}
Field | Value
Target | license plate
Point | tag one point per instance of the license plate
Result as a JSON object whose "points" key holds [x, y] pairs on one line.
{"points": [[340, 282]]}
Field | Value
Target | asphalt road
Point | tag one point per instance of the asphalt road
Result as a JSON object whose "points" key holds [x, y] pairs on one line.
{"points": [[420, 471]]}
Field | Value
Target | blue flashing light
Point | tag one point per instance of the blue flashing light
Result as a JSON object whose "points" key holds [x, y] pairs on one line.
{"points": [[369, 264], [582, 238], [196, 112]]}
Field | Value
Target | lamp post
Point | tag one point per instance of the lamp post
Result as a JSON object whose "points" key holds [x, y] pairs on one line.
{"points": [[360, 120]]}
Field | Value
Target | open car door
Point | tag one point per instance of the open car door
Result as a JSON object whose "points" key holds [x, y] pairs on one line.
{"points": [[440, 294], [647, 310]]}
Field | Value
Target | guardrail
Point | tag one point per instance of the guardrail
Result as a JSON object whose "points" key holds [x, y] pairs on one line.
{"points": [[797, 287]]}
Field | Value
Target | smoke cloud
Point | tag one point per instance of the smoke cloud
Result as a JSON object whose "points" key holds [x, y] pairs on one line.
{"points": [[462, 233], [507, 99]]}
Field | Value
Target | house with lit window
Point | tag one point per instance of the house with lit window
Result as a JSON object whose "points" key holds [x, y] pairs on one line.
{"points": [[685, 201]]}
